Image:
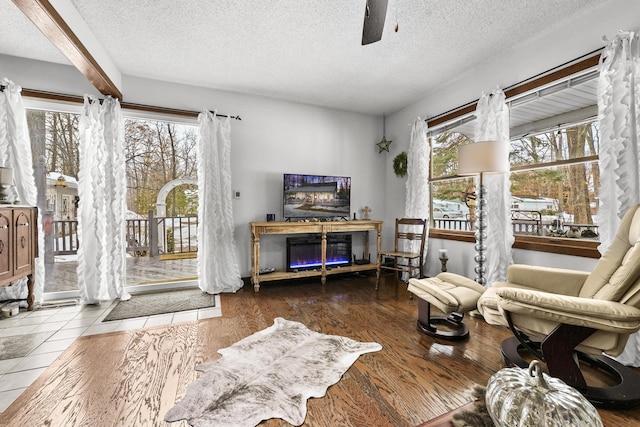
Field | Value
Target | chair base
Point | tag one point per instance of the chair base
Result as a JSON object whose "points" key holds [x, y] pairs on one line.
{"points": [[624, 395], [459, 332], [428, 325]]}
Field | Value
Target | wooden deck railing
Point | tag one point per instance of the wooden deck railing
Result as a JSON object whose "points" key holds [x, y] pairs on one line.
{"points": [[528, 227], [138, 237], [67, 237], [145, 237]]}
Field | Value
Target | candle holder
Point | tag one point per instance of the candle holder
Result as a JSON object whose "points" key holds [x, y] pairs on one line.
{"points": [[443, 260]]}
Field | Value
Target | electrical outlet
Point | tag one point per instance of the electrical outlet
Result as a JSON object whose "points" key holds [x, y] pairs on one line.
{"points": [[236, 194]]}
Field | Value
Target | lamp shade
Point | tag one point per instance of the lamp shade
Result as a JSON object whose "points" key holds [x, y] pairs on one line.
{"points": [[483, 157], [6, 176]]}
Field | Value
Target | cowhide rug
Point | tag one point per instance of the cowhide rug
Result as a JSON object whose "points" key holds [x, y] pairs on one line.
{"points": [[269, 374]]}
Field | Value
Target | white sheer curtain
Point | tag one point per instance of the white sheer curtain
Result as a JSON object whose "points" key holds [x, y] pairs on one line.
{"points": [[15, 152], [218, 269], [417, 186], [618, 109], [101, 210], [492, 124], [619, 122]]}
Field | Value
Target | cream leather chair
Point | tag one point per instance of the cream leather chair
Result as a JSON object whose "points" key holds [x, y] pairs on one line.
{"points": [[558, 314], [452, 294]]}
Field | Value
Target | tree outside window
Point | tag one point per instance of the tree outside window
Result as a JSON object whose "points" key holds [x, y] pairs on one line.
{"points": [[157, 152]]}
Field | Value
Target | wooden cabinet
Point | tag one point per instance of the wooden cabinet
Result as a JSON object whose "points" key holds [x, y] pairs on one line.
{"points": [[18, 246], [322, 228]]}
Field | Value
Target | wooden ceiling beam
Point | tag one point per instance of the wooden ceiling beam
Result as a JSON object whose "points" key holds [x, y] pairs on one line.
{"points": [[54, 27]]}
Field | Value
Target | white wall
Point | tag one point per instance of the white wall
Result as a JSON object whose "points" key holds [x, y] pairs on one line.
{"points": [[583, 34], [274, 137], [45, 76]]}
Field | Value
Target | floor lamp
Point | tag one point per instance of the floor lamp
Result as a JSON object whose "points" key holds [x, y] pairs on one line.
{"points": [[478, 159]]}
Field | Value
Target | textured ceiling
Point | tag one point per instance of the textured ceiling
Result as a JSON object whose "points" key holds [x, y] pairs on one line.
{"points": [[19, 37], [306, 51]]}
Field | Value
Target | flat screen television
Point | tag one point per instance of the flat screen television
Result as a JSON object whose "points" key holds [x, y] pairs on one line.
{"points": [[316, 196]]}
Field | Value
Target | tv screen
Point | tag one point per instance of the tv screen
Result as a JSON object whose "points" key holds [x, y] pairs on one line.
{"points": [[316, 196]]}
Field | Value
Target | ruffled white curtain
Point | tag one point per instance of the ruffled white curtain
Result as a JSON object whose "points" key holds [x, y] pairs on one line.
{"points": [[417, 186], [218, 269], [619, 122], [15, 152], [101, 210], [618, 110], [492, 124]]}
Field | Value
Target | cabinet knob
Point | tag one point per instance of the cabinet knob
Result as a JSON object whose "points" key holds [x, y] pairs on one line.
{"points": [[23, 241]]}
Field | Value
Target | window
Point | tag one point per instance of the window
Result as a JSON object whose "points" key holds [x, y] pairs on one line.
{"points": [[554, 183], [554, 161], [451, 196], [158, 152], [66, 202]]}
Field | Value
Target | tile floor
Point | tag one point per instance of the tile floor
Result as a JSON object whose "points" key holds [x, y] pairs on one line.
{"points": [[64, 325]]}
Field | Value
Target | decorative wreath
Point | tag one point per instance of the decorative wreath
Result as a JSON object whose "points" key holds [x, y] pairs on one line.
{"points": [[400, 164]]}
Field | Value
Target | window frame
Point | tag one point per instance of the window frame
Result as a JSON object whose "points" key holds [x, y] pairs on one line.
{"points": [[557, 245]]}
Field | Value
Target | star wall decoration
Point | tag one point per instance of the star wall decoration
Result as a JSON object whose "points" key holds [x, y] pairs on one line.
{"points": [[383, 145]]}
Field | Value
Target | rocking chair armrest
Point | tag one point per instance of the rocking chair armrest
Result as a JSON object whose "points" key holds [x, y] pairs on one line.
{"points": [[554, 280], [603, 315]]}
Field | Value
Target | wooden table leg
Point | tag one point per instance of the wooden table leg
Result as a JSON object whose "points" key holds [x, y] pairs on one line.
{"points": [[30, 296], [366, 254], [255, 262], [323, 250]]}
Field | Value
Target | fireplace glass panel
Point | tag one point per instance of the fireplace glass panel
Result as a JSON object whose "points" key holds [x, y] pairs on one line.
{"points": [[305, 253]]}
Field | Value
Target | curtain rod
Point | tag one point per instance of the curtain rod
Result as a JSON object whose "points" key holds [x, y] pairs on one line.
{"points": [[222, 115], [75, 99]]}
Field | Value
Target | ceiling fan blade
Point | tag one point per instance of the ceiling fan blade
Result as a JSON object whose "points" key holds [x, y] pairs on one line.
{"points": [[374, 15]]}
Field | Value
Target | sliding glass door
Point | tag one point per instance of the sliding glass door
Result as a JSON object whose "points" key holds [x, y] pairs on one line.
{"points": [[162, 199]]}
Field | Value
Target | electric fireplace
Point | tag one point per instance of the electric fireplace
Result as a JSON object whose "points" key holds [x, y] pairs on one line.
{"points": [[305, 253]]}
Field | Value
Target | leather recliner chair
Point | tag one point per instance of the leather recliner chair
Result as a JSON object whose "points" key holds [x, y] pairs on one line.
{"points": [[562, 316]]}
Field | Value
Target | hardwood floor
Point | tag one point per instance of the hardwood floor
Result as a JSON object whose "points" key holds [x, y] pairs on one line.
{"points": [[133, 378]]}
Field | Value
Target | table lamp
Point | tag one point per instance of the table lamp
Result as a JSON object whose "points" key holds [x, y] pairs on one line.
{"points": [[478, 159]]}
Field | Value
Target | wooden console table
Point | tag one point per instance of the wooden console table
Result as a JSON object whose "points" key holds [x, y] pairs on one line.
{"points": [[18, 246], [279, 227]]}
